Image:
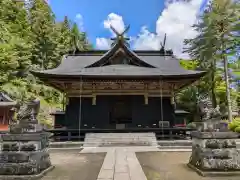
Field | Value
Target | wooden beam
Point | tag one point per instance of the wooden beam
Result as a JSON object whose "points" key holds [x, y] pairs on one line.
{"points": [[123, 87], [58, 86], [119, 92], [123, 84], [90, 95]]}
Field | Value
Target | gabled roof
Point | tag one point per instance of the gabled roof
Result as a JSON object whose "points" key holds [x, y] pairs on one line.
{"points": [[5, 100], [85, 65], [98, 64]]}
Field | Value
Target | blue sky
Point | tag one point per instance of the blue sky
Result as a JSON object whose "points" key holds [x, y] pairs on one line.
{"points": [[94, 12], [149, 20]]}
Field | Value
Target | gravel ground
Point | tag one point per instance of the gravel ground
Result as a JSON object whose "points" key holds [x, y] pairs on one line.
{"points": [[171, 166], [70, 165]]}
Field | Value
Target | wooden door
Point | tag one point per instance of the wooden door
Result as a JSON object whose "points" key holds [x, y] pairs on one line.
{"points": [[121, 110]]}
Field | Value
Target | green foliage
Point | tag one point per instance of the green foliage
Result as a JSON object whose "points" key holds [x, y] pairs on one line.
{"points": [[14, 45], [31, 39], [187, 98], [235, 125], [217, 39], [78, 40], [44, 51], [189, 64], [237, 129], [191, 125]]}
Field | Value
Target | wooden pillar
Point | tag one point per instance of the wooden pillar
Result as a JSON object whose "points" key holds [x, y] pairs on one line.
{"points": [[173, 96], [146, 93], [67, 87], [94, 97], [67, 99], [172, 100], [173, 106], [4, 116], [146, 99]]}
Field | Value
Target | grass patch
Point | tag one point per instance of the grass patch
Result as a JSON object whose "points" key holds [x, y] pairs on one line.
{"points": [[236, 73]]}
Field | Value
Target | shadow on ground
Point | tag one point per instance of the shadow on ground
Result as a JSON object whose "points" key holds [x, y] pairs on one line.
{"points": [[71, 165], [171, 166]]}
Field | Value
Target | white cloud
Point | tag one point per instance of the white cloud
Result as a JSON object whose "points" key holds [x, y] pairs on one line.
{"points": [[79, 21], [146, 40], [47, 1], [103, 43], [116, 21], [176, 21]]}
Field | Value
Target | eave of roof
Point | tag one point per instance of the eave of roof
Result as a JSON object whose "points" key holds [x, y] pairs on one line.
{"points": [[180, 111], [6, 101], [57, 113], [120, 72], [5, 98], [7, 104]]}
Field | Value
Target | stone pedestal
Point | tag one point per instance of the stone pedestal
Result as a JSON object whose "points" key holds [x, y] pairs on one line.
{"points": [[24, 155], [23, 151], [215, 153]]}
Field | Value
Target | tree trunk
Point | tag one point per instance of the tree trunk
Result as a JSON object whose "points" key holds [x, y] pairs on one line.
{"points": [[229, 106], [225, 62], [213, 84]]}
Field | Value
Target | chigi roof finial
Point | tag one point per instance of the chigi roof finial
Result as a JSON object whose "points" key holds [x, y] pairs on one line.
{"points": [[120, 36], [162, 49]]}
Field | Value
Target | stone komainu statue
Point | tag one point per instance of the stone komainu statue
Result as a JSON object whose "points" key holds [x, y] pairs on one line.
{"points": [[29, 111], [206, 110], [210, 117], [26, 118]]}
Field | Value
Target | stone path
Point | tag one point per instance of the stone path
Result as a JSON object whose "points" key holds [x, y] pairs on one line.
{"points": [[121, 163]]}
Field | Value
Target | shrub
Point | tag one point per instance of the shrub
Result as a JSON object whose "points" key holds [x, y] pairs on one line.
{"points": [[237, 129], [234, 125], [191, 125]]}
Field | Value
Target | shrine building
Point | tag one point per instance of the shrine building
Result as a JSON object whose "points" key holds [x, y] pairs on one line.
{"points": [[6, 111], [119, 88]]}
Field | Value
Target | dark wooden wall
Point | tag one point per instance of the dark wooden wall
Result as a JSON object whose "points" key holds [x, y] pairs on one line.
{"points": [[98, 115]]}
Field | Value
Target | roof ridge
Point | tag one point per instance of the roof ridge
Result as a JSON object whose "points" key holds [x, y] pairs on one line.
{"points": [[97, 52]]}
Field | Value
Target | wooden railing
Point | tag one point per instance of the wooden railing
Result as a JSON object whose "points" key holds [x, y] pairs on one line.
{"points": [[161, 133]]}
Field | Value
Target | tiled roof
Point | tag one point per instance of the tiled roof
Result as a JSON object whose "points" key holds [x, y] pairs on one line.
{"points": [[6, 100], [87, 64]]}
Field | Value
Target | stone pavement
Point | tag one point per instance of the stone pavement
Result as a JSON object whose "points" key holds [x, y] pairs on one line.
{"points": [[121, 163]]}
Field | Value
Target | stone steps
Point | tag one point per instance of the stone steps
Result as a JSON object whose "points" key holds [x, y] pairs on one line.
{"points": [[119, 139], [175, 147], [175, 143], [163, 144], [119, 135]]}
